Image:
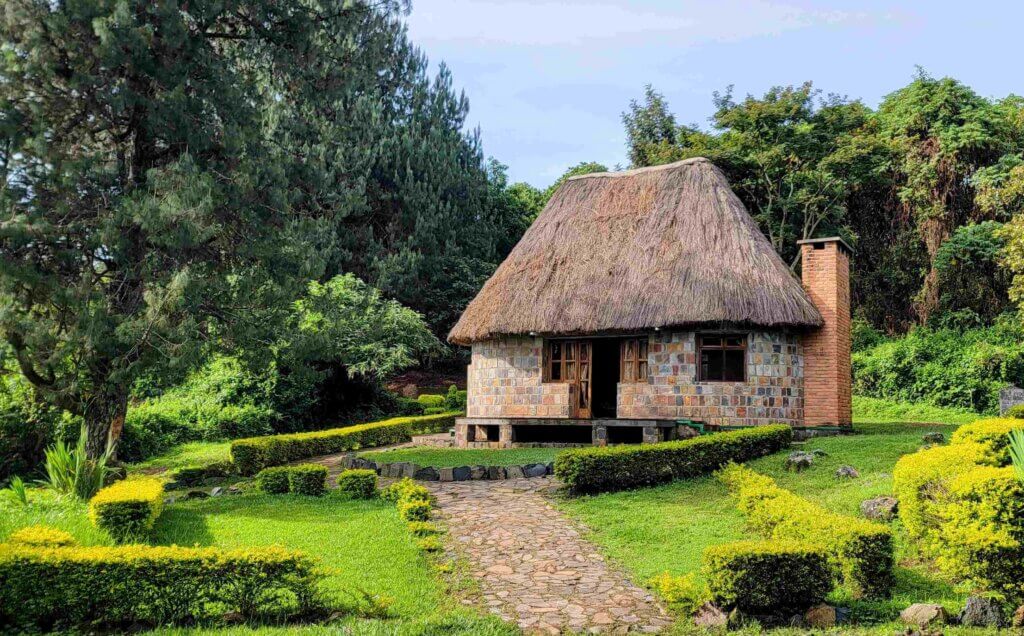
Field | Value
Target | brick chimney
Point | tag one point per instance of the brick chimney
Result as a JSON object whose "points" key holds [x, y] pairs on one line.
{"points": [[827, 373]]}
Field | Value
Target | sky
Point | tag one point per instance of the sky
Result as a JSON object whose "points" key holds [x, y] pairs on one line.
{"points": [[548, 80]]}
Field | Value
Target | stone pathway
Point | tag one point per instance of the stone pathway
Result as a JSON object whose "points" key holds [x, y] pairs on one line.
{"points": [[533, 566]]}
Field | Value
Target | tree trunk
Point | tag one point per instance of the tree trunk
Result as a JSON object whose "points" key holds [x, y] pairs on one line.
{"points": [[104, 420]]}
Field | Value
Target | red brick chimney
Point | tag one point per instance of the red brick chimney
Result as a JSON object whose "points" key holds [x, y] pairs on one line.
{"points": [[827, 373]]}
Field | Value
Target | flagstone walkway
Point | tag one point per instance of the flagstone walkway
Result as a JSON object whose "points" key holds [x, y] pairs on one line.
{"points": [[533, 566]]}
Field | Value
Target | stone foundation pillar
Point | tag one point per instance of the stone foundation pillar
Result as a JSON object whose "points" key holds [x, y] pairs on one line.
{"points": [[651, 435], [505, 436], [599, 435]]}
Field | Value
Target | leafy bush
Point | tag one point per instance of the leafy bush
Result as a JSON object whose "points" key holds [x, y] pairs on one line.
{"points": [[921, 482], [455, 400], [358, 483], [406, 489], [682, 593], [760, 577], [128, 509], [42, 536], [1016, 412], [435, 410], [992, 434], [429, 400], [308, 479], [67, 588], [407, 406], [861, 550], [588, 470], [69, 470], [423, 529], [429, 544], [27, 424], [414, 509], [255, 453], [981, 536], [274, 480], [193, 476], [944, 367]]}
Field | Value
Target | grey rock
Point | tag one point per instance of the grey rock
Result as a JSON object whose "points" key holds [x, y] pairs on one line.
{"points": [[880, 508], [551, 468], [407, 469], [217, 492], [924, 615], [847, 472], [426, 473], [462, 473], [686, 432], [170, 500], [514, 472], [710, 616], [535, 470], [495, 472], [933, 438], [196, 494], [478, 472], [799, 461], [446, 474], [981, 612]]}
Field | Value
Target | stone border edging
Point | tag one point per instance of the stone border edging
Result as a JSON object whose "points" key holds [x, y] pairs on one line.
{"points": [[457, 473]]}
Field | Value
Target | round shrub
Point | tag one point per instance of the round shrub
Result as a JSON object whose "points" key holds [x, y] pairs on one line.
{"points": [[42, 536], [430, 544], [358, 483], [682, 593], [405, 489], [1016, 412], [764, 577], [308, 479], [273, 481], [993, 434], [429, 400], [423, 528], [414, 509]]}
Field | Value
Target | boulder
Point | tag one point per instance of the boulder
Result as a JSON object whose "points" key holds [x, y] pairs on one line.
{"points": [[217, 492], [709, 616], [446, 474], [924, 615], [495, 472], [880, 508], [535, 470], [847, 472], [686, 432], [981, 612], [514, 472], [407, 469], [478, 472], [821, 617], [461, 473], [933, 438], [426, 473], [1018, 617], [799, 461]]}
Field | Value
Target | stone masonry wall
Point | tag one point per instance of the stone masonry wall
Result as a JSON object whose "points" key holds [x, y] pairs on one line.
{"points": [[773, 392], [504, 380]]}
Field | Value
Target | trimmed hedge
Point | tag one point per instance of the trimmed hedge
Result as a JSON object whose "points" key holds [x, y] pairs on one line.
{"points": [[128, 509], [304, 479], [588, 470], [862, 550], [359, 483], [42, 536], [920, 482], [253, 454], [759, 577], [993, 434], [429, 400], [273, 481], [66, 588]]}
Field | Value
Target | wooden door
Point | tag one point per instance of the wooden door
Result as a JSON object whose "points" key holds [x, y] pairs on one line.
{"points": [[578, 372]]}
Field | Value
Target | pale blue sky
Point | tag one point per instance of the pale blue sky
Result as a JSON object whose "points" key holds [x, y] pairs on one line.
{"points": [[548, 80]]}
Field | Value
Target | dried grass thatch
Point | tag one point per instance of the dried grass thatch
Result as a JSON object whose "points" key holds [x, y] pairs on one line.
{"points": [[667, 246]]}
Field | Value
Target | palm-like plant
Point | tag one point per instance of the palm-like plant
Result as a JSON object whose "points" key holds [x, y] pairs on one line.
{"points": [[1017, 452], [18, 490], [69, 470]]}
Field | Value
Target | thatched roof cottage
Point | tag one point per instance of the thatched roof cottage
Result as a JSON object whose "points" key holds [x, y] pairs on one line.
{"points": [[645, 299]]}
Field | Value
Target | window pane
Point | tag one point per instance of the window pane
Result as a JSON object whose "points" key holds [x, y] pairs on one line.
{"points": [[642, 370], [735, 361], [711, 341], [734, 342], [711, 366], [556, 371], [556, 350]]}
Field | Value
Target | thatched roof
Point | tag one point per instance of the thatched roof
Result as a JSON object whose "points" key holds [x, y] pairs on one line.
{"points": [[666, 246]]}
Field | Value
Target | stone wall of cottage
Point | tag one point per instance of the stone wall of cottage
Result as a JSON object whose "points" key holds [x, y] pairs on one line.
{"points": [[504, 380], [773, 392]]}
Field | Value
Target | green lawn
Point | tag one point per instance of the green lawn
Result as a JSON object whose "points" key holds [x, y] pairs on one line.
{"points": [[868, 409], [186, 456], [451, 457], [654, 530], [46, 508]]}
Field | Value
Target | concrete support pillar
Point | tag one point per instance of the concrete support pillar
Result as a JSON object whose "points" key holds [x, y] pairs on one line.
{"points": [[599, 435], [461, 434], [651, 435], [505, 436]]}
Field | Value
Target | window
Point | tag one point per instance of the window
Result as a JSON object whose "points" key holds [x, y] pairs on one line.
{"points": [[633, 358], [723, 358], [561, 358]]}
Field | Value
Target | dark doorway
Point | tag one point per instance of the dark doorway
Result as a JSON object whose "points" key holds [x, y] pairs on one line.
{"points": [[605, 377]]}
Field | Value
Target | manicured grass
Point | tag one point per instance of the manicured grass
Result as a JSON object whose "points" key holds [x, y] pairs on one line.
{"points": [[46, 508], [186, 456], [451, 457], [868, 409], [654, 530]]}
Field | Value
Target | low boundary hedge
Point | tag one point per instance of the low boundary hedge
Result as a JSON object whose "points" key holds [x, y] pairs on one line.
{"points": [[588, 470], [71, 587], [862, 550], [253, 454], [128, 509], [767, 576]]}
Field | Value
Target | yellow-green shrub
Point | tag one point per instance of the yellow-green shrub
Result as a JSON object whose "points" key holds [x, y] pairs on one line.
{"points": [[405, 489], [273, 480], [760, 577], [128, 509], [414, 509], [992, 434], [423, 529], [430, 400], [429, 544], [58, 588], [681, 593], [861, 550], [921, 482], [358, 483], [42, 536], [981, 534], [307, 479], [256, 453]]}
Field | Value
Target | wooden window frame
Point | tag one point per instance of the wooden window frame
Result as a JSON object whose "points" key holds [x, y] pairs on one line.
{"points": [[723, 347], [633, 364], [549, 361]]}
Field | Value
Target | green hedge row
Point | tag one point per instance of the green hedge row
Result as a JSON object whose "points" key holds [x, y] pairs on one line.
{"points": [[303, 479], [128, 509], [759, 577], [862, 550], [58, 588], [253, 454], [587, 470]]}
